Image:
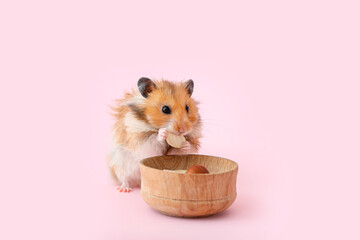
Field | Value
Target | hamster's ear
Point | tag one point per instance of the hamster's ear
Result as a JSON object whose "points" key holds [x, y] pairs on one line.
{"points": [[145, 86], [189, 86]]}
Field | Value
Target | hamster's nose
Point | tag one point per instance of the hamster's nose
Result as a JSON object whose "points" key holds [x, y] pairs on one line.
{"points": [[181, 130]]}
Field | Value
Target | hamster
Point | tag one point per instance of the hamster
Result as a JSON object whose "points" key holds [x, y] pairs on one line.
{"points": [[143, 119]]}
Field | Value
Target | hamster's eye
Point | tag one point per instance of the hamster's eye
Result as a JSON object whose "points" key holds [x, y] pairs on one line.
{"points": [[166, 110], [187, 108]]}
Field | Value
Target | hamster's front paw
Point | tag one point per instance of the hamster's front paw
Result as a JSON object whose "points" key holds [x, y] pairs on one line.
{"points": [[162, 134], [186, 147]]}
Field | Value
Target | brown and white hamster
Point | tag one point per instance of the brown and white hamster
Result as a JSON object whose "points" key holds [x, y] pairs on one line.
{"points": [[144, 118]]}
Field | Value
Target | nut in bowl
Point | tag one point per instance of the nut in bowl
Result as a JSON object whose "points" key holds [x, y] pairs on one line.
{"points": [[168, 189]]}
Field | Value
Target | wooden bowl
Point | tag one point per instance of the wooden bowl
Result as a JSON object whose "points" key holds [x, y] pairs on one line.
{"points": [[188, 195]]}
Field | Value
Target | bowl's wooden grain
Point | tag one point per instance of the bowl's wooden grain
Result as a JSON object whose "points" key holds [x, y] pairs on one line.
{"points": [[188, 195]]}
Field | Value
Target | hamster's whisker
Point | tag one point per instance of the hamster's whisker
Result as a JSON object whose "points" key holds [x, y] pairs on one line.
{"points": [[215, 124]]}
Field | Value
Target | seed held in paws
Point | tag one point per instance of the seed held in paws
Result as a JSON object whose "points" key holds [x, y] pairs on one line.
{"points": [[175, 141]]}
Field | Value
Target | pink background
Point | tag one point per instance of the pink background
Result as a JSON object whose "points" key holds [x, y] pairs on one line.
{"points": [[279, 88]]}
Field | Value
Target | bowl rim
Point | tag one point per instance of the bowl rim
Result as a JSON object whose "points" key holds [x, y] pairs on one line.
{"points": [[205, 174]]}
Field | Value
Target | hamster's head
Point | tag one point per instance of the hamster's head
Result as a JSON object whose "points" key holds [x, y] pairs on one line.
{"points": [[169, 105]]}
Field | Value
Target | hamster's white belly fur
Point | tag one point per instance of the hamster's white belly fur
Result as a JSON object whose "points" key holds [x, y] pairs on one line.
{"points": [[126, 163]]}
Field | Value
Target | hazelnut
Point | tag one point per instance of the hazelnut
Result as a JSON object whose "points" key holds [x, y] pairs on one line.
{"points": [[197, 168]]}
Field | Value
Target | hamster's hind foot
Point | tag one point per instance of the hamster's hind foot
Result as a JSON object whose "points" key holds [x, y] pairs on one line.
{"points": [[124, 189]]}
